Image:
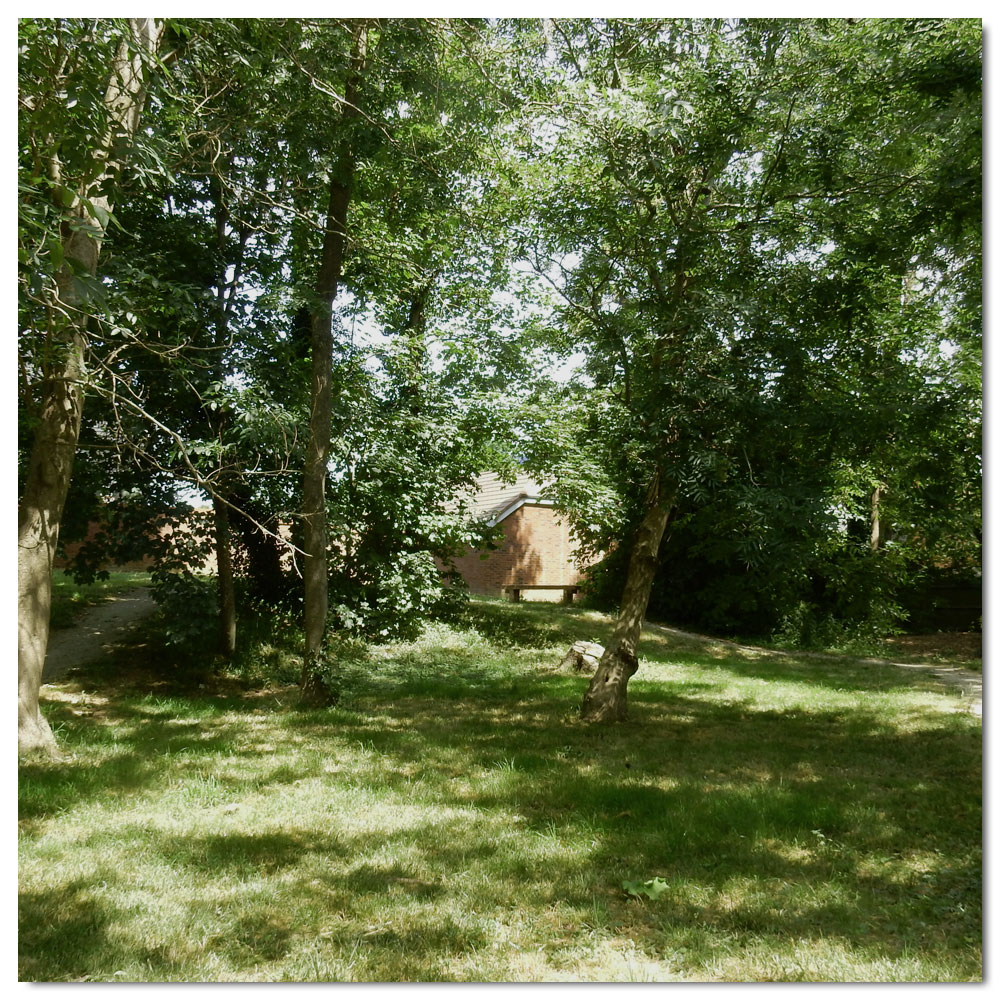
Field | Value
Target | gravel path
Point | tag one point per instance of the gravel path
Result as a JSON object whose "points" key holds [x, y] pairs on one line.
{"points": [[95, 633], [970, 682]]}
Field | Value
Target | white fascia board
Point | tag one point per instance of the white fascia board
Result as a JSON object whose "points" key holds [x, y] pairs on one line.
{"points": [[515, 505]]}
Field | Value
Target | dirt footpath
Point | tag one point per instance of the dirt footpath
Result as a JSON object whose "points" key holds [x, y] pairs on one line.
{"points": [[970, 682], [97, 632]]}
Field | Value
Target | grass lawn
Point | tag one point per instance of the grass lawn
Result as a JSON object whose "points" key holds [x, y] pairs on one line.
{"points": [[451, 819], [70, 600]]}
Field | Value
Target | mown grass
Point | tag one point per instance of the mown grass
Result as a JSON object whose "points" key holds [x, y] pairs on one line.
{"points": [[70, 600], [451, 819]]}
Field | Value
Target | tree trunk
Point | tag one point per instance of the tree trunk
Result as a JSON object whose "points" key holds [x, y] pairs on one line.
{"points": [[415, 333], [265, 576], [41, 508], [606, 699], [875, 520], [225, 293], [227, 591], [315, 577], [54, 446]]}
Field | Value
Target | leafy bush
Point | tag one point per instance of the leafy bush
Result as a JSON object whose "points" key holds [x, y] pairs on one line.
{"points": [[393, 597], [189, 606]]}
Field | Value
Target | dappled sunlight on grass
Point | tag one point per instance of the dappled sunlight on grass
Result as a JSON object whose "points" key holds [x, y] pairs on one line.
{"points": [[453, 819]]}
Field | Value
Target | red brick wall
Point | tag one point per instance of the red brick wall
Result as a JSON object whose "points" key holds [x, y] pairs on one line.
{"points": [[71, 549], [143, 565], [537, 548]]}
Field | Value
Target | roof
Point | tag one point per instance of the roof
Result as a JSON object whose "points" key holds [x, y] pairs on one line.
{"points": [[495, 499]]}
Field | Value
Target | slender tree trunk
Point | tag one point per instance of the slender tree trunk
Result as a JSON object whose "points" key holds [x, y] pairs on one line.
{"points": [[227, 591], [320, 416], [875, 520], [606, 699], [54, 446], [224, 296], [415, 333]]}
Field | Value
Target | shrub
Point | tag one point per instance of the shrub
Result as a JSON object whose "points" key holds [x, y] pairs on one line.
{"points": [[189, 606]]}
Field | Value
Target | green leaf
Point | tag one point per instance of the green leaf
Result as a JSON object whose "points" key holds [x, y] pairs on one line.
{"points": [[56, 252], [98, 212], [652, 888]]}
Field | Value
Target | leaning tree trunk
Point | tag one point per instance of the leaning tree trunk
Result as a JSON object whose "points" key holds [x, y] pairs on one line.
{"points": [[314, 568], [606, 699], [54, 446]]}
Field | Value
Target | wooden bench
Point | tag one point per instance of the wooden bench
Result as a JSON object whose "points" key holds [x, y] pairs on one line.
{"points": [[569, 590]]}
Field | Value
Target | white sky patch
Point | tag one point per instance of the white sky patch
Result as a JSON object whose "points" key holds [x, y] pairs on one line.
{"points": [[566, 369], [194, 497]]}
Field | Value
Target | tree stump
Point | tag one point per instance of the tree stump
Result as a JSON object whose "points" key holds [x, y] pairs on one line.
{"points": [[583, 656]]}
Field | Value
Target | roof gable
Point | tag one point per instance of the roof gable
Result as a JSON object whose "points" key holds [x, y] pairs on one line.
{"points": [[494, 500]]}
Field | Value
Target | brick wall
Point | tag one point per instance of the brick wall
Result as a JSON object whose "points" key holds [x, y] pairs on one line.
{"points": [[536, 549], [70, 549]]}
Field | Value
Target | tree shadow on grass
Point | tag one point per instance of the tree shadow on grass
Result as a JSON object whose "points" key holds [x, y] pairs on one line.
{"points": [[716, 793], [241, 854], [132, 744], [828, 824], [74, 925], [73, 934], [526, 627], [837, 673], [733, 859]]}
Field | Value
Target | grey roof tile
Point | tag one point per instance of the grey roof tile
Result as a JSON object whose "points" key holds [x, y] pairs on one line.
{"points": [[493, 496]]}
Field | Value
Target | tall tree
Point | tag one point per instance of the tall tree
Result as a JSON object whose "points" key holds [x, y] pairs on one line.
{"points": [[686, 174], [411, 147], [63, 63], [328, 275]]}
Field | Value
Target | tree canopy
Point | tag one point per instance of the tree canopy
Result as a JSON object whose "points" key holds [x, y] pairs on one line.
{"points": [[318, 270]]}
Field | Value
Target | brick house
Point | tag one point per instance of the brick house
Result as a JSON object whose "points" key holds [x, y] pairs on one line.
{"points": [[536, 549]]}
